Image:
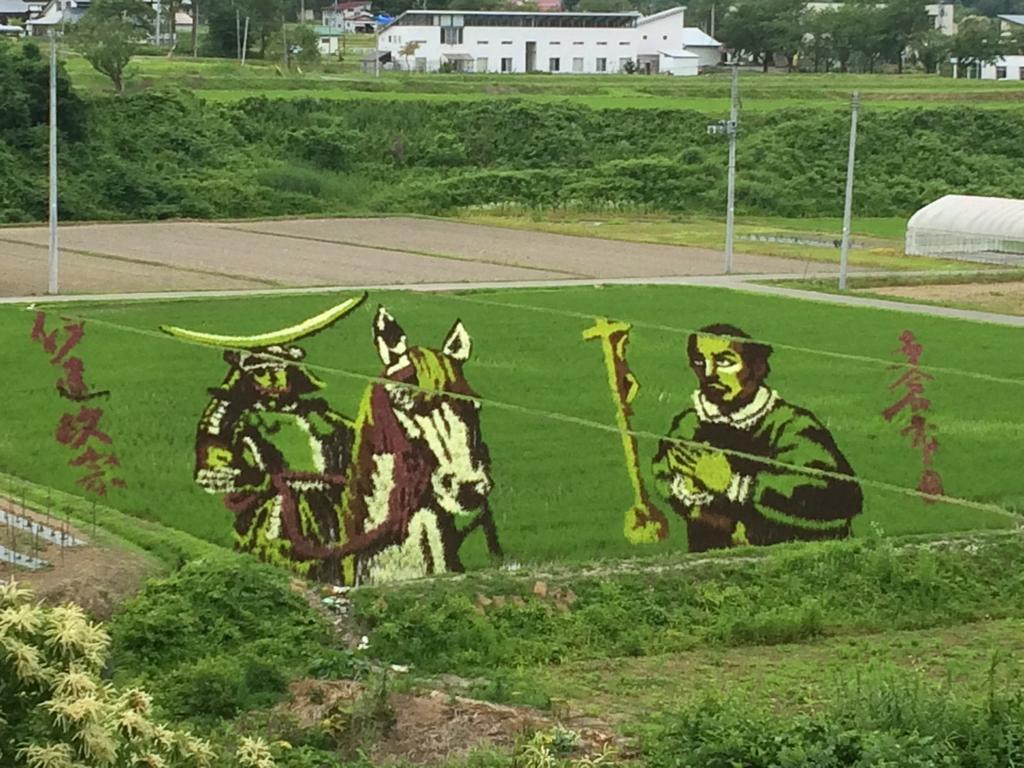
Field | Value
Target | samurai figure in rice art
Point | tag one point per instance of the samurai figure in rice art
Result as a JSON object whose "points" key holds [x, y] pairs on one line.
{"points": [[391, 495], [275, 451]]}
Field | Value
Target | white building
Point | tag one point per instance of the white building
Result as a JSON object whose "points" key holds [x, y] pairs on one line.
{"points": [[514, 41], [1004, 68], [708, 50], [988, 229]]}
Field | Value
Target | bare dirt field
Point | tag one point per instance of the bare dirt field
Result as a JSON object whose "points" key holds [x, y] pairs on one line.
{"points": [[124, 258], [1006, 298], [94, 573]]}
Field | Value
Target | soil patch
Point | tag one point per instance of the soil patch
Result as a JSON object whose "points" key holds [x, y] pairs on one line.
{"points": [[432, 727], [94, 575], [1005, 298], [188, 255]]}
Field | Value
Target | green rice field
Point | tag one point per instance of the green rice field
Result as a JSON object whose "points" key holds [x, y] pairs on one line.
{"points": [[561, 489]]}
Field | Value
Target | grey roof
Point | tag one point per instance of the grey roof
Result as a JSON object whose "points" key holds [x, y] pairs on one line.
{"points": [[13, 7], [697, 38], [1013, 18]]}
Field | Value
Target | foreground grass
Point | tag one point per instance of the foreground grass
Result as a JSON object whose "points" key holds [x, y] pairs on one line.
{"points": [[883, 235]]}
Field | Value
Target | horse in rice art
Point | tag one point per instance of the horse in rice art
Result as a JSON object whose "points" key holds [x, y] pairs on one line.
{"points": [[420, 472]]}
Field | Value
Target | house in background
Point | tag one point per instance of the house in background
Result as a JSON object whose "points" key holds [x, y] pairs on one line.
{"points": [[531, 41], [12, 11], [350, 16], [55, 13]]}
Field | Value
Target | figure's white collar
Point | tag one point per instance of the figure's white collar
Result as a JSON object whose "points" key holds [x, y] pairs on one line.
{"points": [[746, 417]]}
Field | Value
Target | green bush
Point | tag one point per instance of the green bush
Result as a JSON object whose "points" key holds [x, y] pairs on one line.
{"points": [[159, 154], [875, 723], [220, 637]]}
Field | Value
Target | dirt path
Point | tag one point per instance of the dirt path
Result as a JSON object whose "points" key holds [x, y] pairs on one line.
{"points": [[1006, 298], [126, 258]]}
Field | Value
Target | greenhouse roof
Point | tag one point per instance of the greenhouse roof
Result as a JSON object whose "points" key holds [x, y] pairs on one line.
{"points": [[999, 216]]}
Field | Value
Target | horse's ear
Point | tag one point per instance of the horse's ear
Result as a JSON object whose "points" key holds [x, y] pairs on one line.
{"points": [[457, 344], [388, 337]]}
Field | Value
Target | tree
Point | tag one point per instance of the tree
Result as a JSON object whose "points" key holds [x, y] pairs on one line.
{"points": [[977, 41], [902, 21], [932, 49], [408, 51], [226, 33], [763, 28], [109, 34]]}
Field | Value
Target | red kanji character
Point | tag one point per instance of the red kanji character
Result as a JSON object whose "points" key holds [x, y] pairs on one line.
{"points": [[72, 385], [98, 465], [931, 483], [49, 341], [75, 431], [919, 438], [75, 332], [913, 399], [910, 347], [912, 377]]}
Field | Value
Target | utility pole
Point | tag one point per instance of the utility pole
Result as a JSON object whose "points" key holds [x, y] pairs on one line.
{"points": [[730, 210], [195, 29], [844, 251], [729, 128], [284, 42], [245, 41], [238, 34], [54, 255]]}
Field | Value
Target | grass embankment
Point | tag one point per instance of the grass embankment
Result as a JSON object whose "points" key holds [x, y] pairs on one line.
{"points": [[561, 488], [882, 238], [843, 654], [988, 290]]}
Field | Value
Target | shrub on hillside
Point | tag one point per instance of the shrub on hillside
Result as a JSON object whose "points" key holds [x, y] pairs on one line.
{"points": [[57, 712], [219, 637]]}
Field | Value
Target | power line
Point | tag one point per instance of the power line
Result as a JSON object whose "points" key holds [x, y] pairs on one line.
{"points": [[612, 429], [589, 316]]}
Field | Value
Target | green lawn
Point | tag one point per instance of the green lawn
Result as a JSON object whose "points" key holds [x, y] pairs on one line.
{"points": [[883, 235], [226, 80], [561, 490]]}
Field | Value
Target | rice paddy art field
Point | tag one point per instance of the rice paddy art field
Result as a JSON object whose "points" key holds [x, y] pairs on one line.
{"points": [[560, 484]]}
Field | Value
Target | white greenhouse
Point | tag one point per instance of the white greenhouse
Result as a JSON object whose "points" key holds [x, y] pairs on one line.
{"points": [[989, 229]]}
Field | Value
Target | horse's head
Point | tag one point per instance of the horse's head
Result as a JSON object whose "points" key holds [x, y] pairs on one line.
{"points": [[437, 411]]}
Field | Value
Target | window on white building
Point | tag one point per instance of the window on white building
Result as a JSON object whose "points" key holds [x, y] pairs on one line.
{"points": [[506, 42], [555, 42], [421, 64], [481, 64], [624, 42], [1000, 73], [577, 64], [602, 65], [578, 43], [623, 63], [1020, 74], [645, 37], [481, 42], [554, 65], [506, 64], [451, 35]]}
